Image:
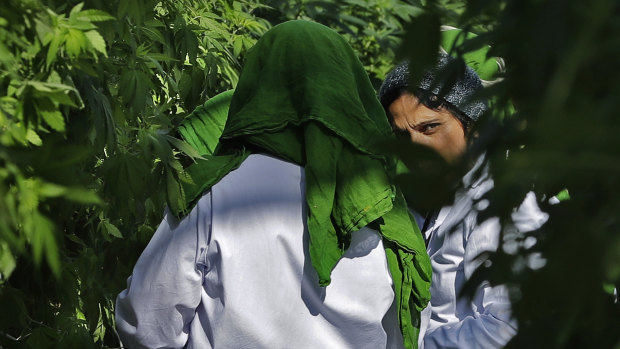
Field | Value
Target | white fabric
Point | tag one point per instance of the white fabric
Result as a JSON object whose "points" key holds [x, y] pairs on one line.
{"points": [[235, 273], [455, 240]]}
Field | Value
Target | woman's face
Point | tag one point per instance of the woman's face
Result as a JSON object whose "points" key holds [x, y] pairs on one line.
{"points": [[438, 129]]}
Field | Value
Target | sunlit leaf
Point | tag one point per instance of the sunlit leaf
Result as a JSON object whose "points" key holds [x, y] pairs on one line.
{"points": [[97, 41], [76, 9], [52, 51], [51, 190], [93, 15], [7, 262], [51, 115], [33, 137], [75, 42]]}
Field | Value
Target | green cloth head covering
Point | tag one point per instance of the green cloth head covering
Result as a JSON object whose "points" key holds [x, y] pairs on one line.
{"points": [[304, 96]]}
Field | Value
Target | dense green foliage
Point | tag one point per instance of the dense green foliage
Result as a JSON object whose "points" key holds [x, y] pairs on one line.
{"points": [[89, 92], [563, 77]]}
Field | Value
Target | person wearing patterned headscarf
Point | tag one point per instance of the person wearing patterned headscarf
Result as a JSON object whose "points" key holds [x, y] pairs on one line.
{"points": [[440, 115], [291, 233]]}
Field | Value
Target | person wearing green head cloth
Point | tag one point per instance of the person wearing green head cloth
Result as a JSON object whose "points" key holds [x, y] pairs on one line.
{"points": [[440, 116], [292, 233]]}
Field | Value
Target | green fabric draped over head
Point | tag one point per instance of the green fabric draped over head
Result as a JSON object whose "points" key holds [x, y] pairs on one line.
{"points": [[304, 96]]}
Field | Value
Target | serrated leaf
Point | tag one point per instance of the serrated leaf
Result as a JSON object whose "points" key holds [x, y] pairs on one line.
{"points": [[154, 34], [183, 146], [96, 41], [76, 9], [75, 42], [5, 55], [40, 86], [174, 164], [28, 195], [81, 25], [18, 132], [237, 46], [134, 88], [93, 15], [58, 93], [75, 239], [52, 116], [33, 137], [111, 229], [52, 50]]}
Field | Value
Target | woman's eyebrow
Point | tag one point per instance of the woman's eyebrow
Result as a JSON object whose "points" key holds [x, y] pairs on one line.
{"points": [[431, 120]]}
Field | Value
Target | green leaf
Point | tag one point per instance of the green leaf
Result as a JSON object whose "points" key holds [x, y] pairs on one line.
{"points": [[97, 41], [51, 190], [44, 241], [52, 51], [75, 42], [134, 88], [191, 45], [81, 25], [5, 55], [51, 115], [75, 239], [563, 195], [422, 50], [76, 9], [83, 196], [93, 15], [33, 137], [174, 192], [111, 229], [154, 34], [237, 46], [183, 146], [58, 93], [28, 195], [7, 262]]}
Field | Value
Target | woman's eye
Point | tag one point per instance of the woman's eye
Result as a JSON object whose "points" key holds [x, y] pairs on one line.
{"points": [[429, 128]]}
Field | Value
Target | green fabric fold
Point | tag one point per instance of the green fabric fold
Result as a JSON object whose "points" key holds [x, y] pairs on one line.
{"points": [[304, 96], [203, 127]]}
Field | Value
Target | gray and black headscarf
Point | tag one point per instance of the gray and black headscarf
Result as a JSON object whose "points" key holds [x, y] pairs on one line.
{"points": [[460, 98]]}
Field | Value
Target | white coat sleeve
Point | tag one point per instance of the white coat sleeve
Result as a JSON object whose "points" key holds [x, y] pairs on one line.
{"points": [[156, 309], [491, 325]]}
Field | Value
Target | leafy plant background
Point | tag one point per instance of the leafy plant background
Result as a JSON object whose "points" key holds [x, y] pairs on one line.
{"points": [[90, 91]]}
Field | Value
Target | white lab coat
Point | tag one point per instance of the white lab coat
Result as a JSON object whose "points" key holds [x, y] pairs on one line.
{"points": [[235, 273]]}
